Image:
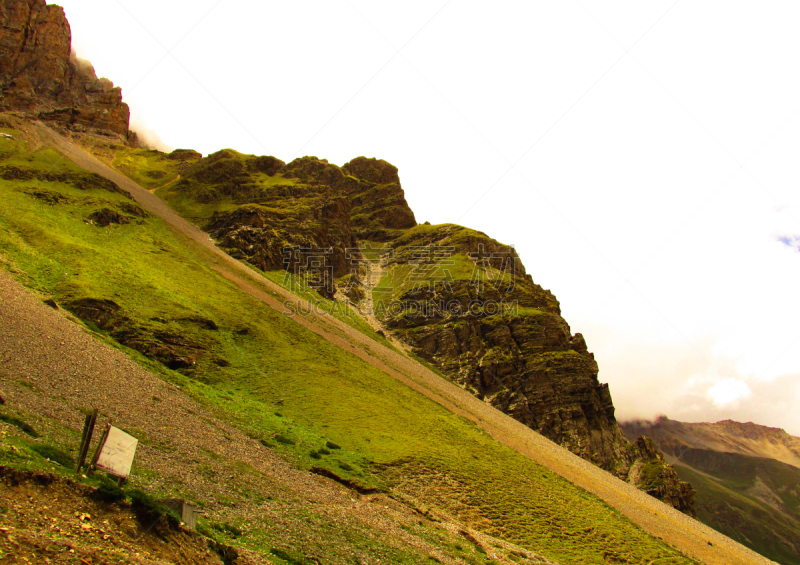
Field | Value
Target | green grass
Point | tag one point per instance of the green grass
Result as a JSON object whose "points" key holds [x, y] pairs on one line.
{"points": [[388, 434], [339, 310], [22, 425], [55, 455], [744, 518], [149, 168]]}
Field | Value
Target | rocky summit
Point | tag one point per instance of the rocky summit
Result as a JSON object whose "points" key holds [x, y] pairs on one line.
{"points": [[41, 77]]}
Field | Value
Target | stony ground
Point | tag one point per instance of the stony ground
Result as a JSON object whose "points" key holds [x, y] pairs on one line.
{"points": [[47, 519]]}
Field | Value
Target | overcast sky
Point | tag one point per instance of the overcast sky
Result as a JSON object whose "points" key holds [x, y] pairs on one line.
{"points": [[642, 156]]}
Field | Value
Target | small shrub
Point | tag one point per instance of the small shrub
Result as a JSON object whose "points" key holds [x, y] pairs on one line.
{"points": [[54, 454], [228, 554], [651, 474], [266, 443], [148, 510], [315, 455], [345, 467], [331, 445], [288, 557], [108, 492], [284, 440], [203, 530], [323, 451], [18, 423], [228, 529]]}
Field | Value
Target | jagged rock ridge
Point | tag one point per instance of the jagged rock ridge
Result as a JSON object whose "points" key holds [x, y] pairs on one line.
{"points": [[41, 77]]}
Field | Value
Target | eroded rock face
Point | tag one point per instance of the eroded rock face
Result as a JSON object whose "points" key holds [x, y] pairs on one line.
{"points": [[41, 77], [529, 366], [651, 473], [508, 345], [262, 235], [310, 205], [379, 204], [174, 350]]}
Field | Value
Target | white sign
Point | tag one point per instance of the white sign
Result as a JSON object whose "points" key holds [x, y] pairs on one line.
{"points": [[116, 456]]}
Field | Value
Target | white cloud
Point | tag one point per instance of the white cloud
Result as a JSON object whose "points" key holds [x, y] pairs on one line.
{"points": [[728, 392], [790, 241]]}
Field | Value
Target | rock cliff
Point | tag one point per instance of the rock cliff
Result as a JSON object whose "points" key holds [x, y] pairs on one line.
{"points": [[314, 208], [464, 303], [41, 77]]}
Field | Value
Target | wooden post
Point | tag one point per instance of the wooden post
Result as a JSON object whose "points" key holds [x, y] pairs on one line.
{"points": [[87, 418], [86, 439], [99, 449]]}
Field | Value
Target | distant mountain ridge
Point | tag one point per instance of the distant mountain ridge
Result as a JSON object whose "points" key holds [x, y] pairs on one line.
{"points": [[747, 479], [726, 436]]}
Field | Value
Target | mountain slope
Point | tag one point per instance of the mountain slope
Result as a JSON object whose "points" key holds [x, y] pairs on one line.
{"points": [[741, 490], [529, 366], [500, 336], [312, 384], [505, 509]]}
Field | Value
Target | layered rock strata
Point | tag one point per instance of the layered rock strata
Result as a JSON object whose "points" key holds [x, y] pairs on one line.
{"points": [[41, 77]]}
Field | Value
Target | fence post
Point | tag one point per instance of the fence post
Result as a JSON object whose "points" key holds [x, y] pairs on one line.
{"points": [[86, 438], [99, 449]]}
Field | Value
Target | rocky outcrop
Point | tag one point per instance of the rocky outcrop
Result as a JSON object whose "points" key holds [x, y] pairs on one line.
{"points": [[651, 473], [379, 204], [525, 361], [504, 340], [156, 342], [41, 77], [287, 216]]}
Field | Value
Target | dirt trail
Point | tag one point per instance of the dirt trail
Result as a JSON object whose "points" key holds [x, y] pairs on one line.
{"points": [[366, 308], [687, 535], [176, 179]]}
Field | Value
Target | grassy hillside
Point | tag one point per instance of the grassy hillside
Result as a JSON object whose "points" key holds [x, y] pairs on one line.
{"points": [[139, 286], [752, 499], [727, 507]]}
